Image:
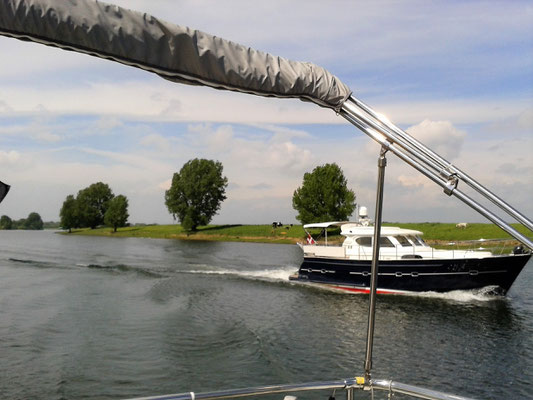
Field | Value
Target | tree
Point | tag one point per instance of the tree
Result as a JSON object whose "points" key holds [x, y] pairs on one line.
{"points": [[19, 223], [117, 212], [92, 204], [196, 192], [69, 214], [323, 196], [33, 222], [6, 222]]}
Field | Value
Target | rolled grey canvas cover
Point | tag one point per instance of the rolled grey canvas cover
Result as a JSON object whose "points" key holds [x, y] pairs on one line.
{"points": [[176, 53]]}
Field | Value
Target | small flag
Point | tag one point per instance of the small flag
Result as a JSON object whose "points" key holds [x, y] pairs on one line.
{"points": [[310, 239], [3, 190]]}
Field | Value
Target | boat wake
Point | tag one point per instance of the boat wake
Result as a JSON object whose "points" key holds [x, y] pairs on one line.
{"points": [[122, 268], [487, 293], [271, 275], [33, 263]]}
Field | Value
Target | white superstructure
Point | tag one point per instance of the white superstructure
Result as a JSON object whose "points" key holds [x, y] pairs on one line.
{"points": [[395, 243]]}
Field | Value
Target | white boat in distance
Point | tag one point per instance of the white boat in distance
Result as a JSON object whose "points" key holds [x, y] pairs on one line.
{"points": [[406, 263]]}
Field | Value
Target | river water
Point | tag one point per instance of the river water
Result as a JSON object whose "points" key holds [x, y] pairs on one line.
{"points": [[105, 318]]}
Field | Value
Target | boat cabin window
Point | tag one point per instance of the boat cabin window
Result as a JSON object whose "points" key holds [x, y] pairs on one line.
{"points": [[403, 241], [385, 242], [417, 240], [366, 241]]}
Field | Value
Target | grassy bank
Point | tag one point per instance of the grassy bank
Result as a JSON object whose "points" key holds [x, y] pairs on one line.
{"points": [[448, 232], [433, 232], [233, 233]]}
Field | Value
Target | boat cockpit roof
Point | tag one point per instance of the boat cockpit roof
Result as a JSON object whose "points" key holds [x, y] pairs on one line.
{"points": [[325, 225], [356, 229]]}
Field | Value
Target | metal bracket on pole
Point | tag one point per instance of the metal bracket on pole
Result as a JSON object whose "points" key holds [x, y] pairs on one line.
{"points": [[382, 163], [451, 184]]}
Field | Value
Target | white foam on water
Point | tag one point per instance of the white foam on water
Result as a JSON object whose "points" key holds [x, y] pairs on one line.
{"points": [[464, 296], [281, 274]]}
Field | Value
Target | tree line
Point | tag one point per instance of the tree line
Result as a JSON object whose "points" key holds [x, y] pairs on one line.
{"points": [[94, 206], [33, 222], [196, 194], [198, 190]]}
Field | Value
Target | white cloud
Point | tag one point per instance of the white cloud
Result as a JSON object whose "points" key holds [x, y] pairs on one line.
{"points": [[460, 111], [412, 181], [441, 136], [145, 101], [287, 155], [47, 137], [165, 185], [5, 108], [284, 132], [108, 123], [519, 124], [155, 140], [136, 101], [213, 140], [9, 157]]}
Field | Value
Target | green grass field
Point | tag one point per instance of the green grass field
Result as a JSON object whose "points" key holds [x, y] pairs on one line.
{"points": [[448, 232], [239, 233], [433, 232]]}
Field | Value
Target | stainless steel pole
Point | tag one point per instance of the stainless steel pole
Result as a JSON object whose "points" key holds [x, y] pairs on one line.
{"points": [[404, 155], [349, 394], [445, 165], [414, 391], [382, 163]]}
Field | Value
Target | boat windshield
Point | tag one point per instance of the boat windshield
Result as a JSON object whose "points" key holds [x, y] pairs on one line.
{"points": [[417, 240], [403, 241]]}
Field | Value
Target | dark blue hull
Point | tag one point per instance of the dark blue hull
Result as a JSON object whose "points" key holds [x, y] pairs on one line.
{"points": [[415, 275]]}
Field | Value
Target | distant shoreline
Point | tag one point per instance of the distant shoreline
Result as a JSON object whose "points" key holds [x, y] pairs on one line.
{"points": [[436, 233], [226, 233]]}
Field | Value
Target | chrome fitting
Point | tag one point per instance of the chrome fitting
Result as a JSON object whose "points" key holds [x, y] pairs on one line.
{"points": [[451, 184]]}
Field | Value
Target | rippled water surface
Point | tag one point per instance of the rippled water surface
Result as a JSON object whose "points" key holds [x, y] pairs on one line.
{"points": [[84, 317]]}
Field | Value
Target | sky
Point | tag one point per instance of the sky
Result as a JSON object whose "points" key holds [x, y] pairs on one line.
{"points": [[457, 75]]}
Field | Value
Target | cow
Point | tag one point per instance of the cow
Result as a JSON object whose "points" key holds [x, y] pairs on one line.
{"points": [[462, 225]]}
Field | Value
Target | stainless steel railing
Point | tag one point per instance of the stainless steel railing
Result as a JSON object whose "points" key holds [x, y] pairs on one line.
{"points": [[350, 385]]}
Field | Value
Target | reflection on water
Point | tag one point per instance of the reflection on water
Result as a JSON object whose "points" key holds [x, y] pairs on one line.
{"points": [[85, 317]]}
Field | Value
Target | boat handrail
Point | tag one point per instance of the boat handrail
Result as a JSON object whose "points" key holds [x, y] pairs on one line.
{"points": [[481, 241], [349, 385]]}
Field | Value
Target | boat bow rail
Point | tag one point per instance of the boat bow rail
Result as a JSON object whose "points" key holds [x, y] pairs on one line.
{"points": [[349, 385]]}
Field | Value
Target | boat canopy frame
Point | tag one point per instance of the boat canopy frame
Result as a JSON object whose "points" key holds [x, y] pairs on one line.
{"points": [[324, 226]]}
